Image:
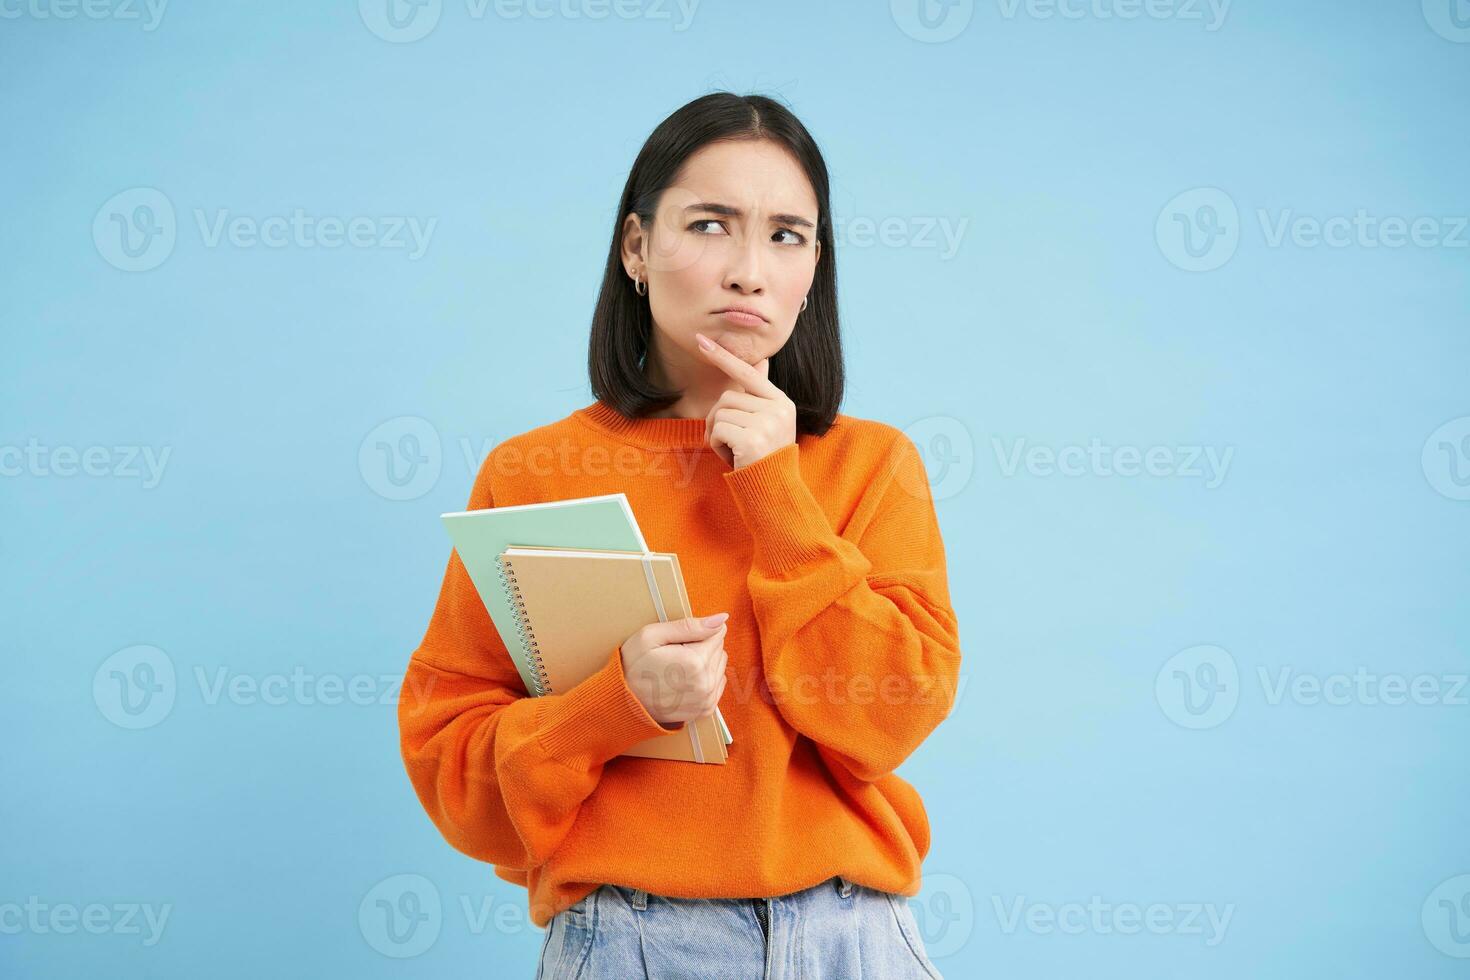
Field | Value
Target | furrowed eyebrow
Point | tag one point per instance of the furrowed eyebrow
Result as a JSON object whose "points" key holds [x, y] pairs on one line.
{"points": [[729, 212]]}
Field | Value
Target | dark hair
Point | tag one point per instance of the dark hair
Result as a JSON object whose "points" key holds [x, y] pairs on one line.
{"points": [[808, 368]]}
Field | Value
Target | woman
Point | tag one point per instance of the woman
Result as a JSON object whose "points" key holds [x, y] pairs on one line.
{"points": [[717, 373]]}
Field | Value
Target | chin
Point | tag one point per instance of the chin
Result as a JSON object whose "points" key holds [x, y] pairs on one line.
{"points": [[744, 344]]}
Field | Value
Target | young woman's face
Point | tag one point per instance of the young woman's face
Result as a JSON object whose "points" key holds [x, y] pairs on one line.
{"points": [[738, 228]]}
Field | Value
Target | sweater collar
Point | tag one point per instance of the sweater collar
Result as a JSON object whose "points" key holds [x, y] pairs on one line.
{"points": [[650, 433]]}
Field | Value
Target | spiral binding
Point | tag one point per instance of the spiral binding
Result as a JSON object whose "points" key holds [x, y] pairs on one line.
{"points": [[540, 681]]}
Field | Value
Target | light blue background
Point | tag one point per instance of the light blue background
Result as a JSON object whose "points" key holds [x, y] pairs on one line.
{"points": [[268, 545]]}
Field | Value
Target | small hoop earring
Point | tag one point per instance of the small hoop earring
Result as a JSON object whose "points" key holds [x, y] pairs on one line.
{"points": [[639, 286], [803, 304]]}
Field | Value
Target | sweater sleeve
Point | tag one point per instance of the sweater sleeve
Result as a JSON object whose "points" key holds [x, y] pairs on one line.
{"points": [[859, 643], [503, 774]]}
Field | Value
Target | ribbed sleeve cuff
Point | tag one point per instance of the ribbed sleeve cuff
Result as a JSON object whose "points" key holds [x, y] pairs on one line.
{"points": [[599, 718], [780, 511]]}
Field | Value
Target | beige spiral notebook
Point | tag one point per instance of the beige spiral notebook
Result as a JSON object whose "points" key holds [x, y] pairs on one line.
{"points": [[574, 606]]}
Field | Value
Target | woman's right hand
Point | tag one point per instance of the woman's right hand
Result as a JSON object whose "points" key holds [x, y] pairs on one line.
{"points": [[677, 669]]}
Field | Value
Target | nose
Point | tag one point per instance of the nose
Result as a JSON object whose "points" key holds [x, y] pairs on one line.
{"points": [[745, 272]]}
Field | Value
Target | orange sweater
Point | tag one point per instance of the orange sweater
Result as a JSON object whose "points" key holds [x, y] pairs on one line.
{"points": [[843, 656]]}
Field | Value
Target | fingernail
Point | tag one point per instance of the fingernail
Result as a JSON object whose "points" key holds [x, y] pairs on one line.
{"points": [[716, 619], [704, 341]]}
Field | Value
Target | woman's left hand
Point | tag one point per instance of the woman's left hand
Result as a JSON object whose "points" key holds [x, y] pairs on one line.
{"points": [[752, 421]]}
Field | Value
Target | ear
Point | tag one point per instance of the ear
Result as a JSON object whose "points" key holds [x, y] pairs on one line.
{"points": [[634, 242]]}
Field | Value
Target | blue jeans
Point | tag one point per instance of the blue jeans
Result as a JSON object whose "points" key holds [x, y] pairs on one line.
{"points": [[837, 929]]}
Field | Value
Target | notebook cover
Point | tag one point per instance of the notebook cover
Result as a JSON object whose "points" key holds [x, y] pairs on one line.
{"points": [[479, 536], [582, 604], [721, 731]]}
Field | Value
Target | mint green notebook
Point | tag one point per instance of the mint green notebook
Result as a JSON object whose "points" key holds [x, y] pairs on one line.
{"points": [[479, 536]]}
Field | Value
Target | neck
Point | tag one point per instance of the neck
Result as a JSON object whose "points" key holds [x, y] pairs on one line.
{"points": [[702, 384]]}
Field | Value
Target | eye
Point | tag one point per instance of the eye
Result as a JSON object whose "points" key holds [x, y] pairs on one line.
{"points": [[800, 238], [705, 221]]}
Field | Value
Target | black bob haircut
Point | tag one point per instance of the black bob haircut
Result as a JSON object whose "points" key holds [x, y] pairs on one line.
{"points": [[808, 368]]}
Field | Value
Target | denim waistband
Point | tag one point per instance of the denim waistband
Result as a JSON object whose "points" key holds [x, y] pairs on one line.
{"points": [[843, 886]]}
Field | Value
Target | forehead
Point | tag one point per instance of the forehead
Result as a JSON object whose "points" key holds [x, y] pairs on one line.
{"points": [[746, 174]]}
